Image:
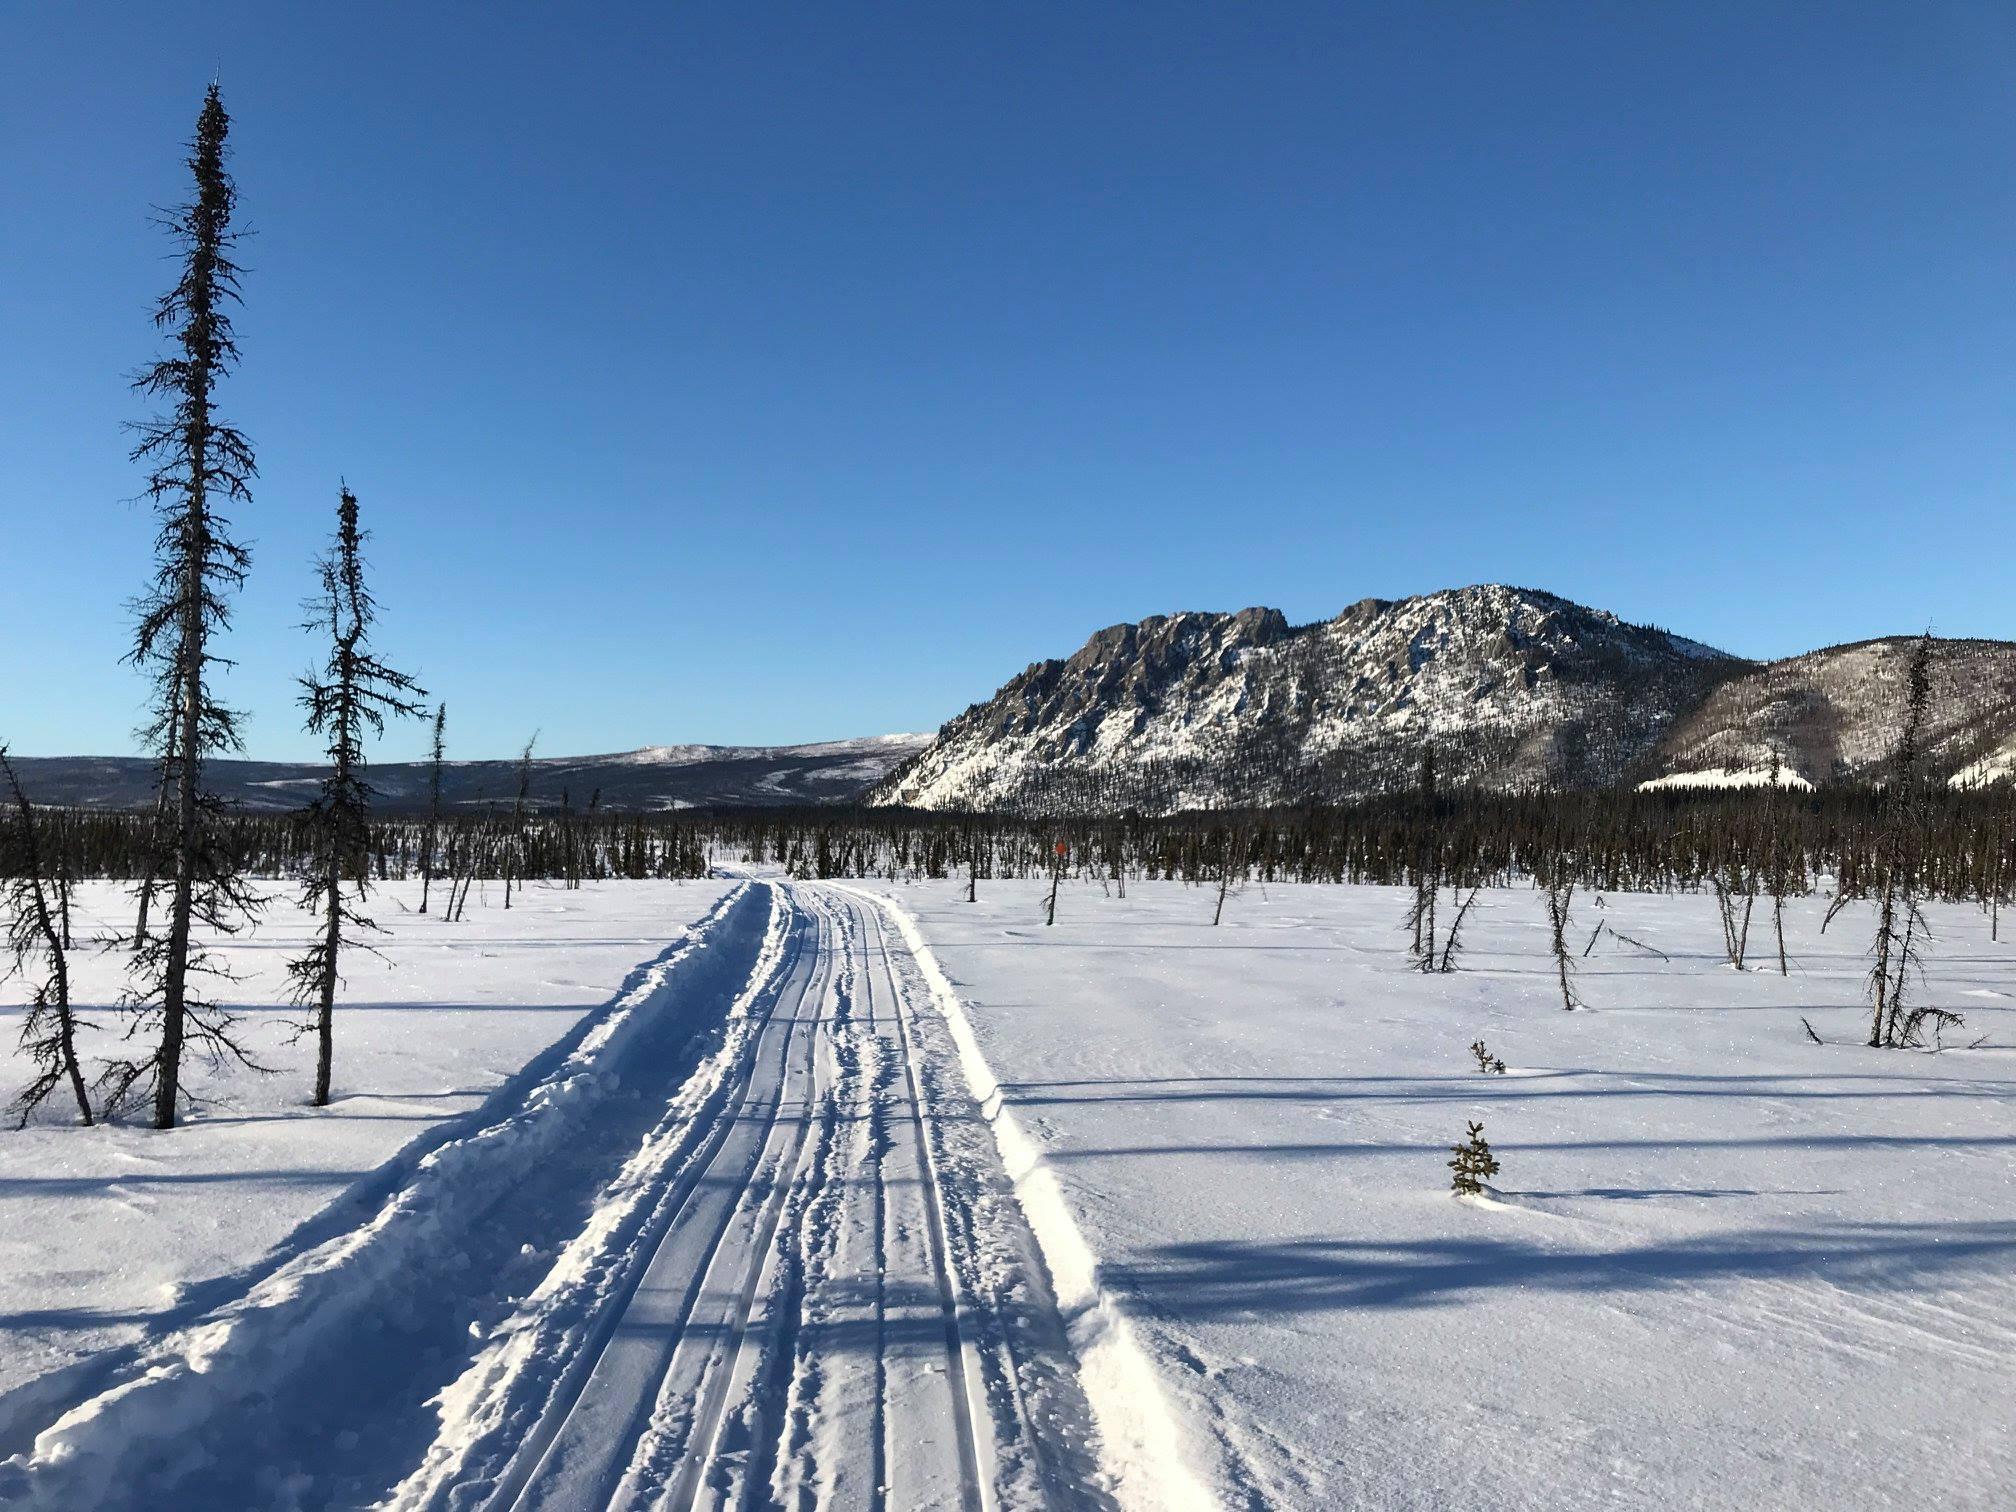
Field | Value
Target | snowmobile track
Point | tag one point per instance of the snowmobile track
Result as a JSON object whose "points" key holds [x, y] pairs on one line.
{"points": [[744, 1242]]}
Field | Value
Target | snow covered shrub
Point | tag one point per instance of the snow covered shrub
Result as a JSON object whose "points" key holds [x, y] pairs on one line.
{"points": [[1474, 1161], [1487, 1063]]}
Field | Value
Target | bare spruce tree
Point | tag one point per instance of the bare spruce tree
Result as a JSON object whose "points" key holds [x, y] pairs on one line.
{"points": [[39, 948], [196, 463], [1234, 862], [1058, 855], [1452, 943], [1900, 924], [1427, 870], [515, 841], [349, 696], [1778, 851], [436, 750], [1556, 876]]}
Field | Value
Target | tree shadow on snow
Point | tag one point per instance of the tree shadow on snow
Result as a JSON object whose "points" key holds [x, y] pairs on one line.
{"points": [[1238, 1278]]}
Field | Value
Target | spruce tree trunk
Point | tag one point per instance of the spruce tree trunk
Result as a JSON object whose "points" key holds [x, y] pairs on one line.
{"points": [[68, 1031], [189, 671], [1886, 921], [325, 1010]]}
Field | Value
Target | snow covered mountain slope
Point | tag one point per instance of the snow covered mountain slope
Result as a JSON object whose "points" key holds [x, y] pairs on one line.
{"points": [[1511, 687], [656, 777], [1834, 715]]}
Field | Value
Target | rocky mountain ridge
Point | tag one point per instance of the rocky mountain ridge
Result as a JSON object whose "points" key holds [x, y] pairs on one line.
{"points": [[1513, 688]]}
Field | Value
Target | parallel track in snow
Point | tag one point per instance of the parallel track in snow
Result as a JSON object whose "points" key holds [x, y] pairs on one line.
{"points": [[743, 1241], [799, 1335], [575, 1454]]}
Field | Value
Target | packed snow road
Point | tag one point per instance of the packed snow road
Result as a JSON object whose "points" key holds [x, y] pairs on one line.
{"points": [[797, 1336], [749, 1245]]}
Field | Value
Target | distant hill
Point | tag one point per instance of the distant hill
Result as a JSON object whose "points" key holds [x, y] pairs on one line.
{"points": [[1831, 716], [1513, 687], [655, 778]]}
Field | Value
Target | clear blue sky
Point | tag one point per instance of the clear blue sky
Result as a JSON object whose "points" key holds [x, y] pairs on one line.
{"points": [[790, 371]]}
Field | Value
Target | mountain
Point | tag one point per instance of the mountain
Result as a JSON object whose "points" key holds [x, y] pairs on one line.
{"points": [[1831, 716], [1512, 687], [657, 777]]}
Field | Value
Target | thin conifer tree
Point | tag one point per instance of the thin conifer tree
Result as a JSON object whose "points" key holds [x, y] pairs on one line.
{"points": [[436, 750], [515, 842], [352, 694], [196, 464], [1900, 924]]}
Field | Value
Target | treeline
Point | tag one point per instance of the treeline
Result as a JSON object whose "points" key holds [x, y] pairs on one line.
{"points": [[1614, 841], [492, 847]]}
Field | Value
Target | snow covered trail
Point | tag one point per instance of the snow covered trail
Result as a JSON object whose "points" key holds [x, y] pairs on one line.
{"points": [[312, 1387], [835, 1305], [744, 1241]]}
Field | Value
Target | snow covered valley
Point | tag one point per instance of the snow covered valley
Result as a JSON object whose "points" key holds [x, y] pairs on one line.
{"points": [[835, 1195]]}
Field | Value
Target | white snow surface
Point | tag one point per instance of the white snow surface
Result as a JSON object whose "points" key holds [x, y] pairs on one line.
{"points": [[1722, 1266], [105, 1232]]}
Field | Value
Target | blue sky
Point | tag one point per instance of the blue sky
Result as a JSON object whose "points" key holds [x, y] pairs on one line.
{"points": [[782, 372]]}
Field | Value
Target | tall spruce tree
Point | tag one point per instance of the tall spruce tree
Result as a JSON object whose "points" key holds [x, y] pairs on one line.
{"points": [[352, 693], [196, 463]]}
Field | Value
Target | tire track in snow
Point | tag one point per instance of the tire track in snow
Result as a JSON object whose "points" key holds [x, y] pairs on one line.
{"points": [[852, 1262], [972, 1493], [1139, 1452], [704, 1439], [666, 1276], [665, 1341], [730, 1107]]}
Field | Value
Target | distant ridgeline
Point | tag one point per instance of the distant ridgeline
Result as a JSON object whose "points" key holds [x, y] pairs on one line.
{"points": [[1515, 691], [656, 778]]}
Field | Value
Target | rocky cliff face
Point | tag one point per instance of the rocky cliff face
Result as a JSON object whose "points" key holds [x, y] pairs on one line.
{"points": [[1511, 687]]}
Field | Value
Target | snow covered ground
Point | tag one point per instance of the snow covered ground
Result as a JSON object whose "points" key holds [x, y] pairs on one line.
{"points": [[107, 1230], [739, 1228], [1725, 1266], [755, 1173]]}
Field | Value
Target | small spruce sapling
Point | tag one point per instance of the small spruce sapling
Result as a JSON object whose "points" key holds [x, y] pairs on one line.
{"points": [[1487, 1063], [1473, 1163]]}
